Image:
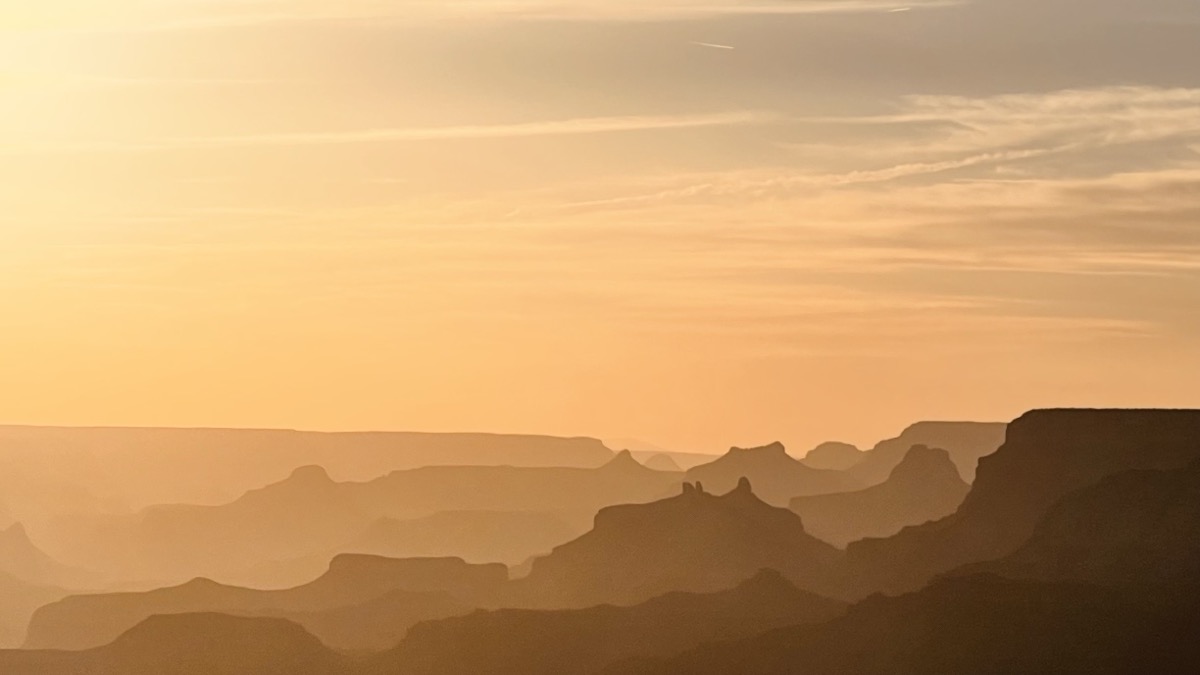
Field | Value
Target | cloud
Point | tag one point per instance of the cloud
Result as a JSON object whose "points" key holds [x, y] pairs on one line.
{"points": [[134, 16], [252, 12], [1063, 130], [1094, 117], [566, 127]]}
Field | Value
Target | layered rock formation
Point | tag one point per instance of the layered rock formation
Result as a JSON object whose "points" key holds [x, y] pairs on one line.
{"points": [[525, 642], [89, 621], [924, 487], [833, 456], [776, 475], [1048, 454], [695, 542]]}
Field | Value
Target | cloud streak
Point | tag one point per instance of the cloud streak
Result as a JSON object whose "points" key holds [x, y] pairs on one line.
{"points": [[566, 127], [972, 133], [266, 11]]}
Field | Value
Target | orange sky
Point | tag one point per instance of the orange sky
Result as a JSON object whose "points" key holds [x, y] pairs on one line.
{"points": [[695, 223]]}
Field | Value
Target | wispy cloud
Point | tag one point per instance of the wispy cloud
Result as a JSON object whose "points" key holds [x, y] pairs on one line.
{"points": [[566, 127], [251, 12], [1098, 117], [970, 133]]}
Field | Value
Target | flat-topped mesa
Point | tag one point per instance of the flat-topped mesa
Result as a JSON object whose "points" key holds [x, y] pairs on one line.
{"points": [[965, 441], [372, 575], [695, 541], [1134, 529], [775, 448], [1047, 455], [924, 487]]}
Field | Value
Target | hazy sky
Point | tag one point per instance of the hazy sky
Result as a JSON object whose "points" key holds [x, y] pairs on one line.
{"points": [[695, 222]]}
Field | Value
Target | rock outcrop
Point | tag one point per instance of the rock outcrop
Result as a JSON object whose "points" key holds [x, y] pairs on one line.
{"points": [[695, 542], [924, 487], [776, 475], [833, 456], [1047, 455]]}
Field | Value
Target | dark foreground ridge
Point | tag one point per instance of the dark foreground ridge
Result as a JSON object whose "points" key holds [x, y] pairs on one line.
{"points": [[1047, 455], [526, 642], [89, 621]]}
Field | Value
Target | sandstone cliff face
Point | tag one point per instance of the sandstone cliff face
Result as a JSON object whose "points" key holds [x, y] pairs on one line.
{"points": [[1047, 455], [966, 442], [695, 542], [776, 475], [1138, 530], [924, 487]]}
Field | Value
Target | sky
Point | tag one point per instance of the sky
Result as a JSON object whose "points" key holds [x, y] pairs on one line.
{"points": [[699, 223]]}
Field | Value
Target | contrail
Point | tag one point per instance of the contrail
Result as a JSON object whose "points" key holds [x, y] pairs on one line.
{"points": [[711, 45]]}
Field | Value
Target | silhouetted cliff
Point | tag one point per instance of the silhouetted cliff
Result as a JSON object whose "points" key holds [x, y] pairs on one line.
{"points": [[87, 621], [776, 475], [833, 456], [432, 489], [966, 442], [308, 514], [192, 644], [508, 537], [924, 487], [971, 625], [1137, 529], [378, 624], [1048, 454], [145, 466], [526, 642], [18, 601], [692, 542]]}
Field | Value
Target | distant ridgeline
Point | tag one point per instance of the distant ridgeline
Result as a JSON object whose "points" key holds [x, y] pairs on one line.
{"points": [[1075, 547], [118, 468]]}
